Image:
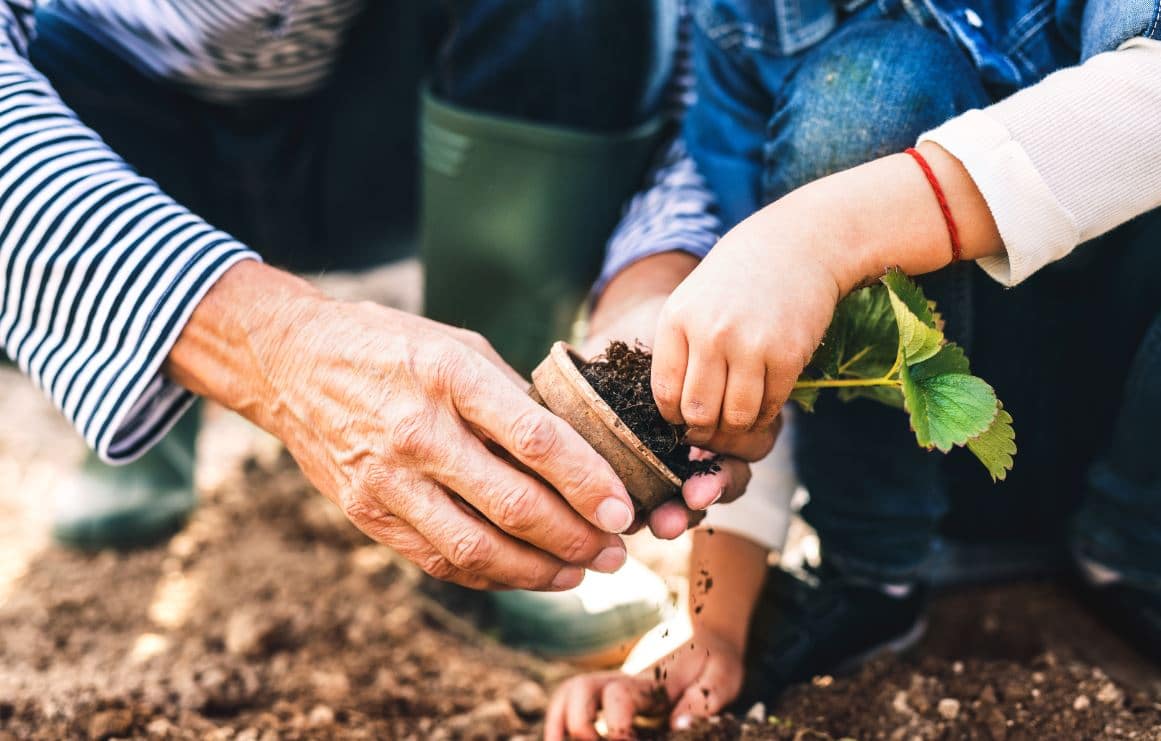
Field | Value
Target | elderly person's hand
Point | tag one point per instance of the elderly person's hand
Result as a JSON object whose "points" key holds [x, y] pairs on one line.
{"points": [[418, 431], [628, 310]]}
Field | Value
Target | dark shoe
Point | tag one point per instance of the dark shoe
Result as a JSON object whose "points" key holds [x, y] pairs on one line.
{"points": [[1131, 612], [821, 623]]}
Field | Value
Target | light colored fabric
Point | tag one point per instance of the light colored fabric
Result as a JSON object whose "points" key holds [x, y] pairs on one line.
{"points": [[1067, 159]]}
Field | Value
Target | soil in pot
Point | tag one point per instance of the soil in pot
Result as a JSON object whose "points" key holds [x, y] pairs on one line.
{"points": [[621, 375]]}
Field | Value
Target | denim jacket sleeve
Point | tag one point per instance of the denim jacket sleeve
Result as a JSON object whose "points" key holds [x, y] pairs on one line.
{"points": [[1107, 24]]}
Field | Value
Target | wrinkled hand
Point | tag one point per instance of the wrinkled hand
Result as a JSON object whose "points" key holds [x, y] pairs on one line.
{"points": [[735, 336], [430, 444], [698, 679]]}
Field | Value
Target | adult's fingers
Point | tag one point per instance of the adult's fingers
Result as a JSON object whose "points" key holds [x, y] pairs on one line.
{"points": [[480, 344], [670, 356], [550, 447], [399, 536], [701, 395], [669, 520], [525, 508], [467, 543]]}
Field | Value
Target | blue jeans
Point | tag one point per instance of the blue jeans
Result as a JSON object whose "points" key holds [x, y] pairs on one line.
{"points": [[1074, 352], [329, 180]]}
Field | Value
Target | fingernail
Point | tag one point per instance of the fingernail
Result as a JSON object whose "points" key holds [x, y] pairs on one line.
{"points": [[721, 493], [568, 578], [682, 723], [610, 559], [614, 515]]}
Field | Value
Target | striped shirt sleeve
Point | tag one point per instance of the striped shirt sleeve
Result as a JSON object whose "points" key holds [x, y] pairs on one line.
{"points": [[675, 209], [99, 270]]}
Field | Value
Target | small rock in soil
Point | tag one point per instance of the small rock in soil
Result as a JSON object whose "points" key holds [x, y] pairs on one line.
{"points": [[529, 699], [1081, 703], [495, 719], [948, 708], [249, 631], [1109, 694], [320, 716], [110, 723]]}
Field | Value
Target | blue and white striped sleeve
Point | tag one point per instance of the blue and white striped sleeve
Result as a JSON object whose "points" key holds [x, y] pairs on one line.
{"points": [[675, 210], [99, 270]]}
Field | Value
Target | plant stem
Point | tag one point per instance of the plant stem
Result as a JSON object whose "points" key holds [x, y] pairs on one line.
{"points": [[854, 359], [830, 383]]}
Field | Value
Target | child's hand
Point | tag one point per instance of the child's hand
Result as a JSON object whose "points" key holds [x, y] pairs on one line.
{"points": [[734, 337], [698, 679]]}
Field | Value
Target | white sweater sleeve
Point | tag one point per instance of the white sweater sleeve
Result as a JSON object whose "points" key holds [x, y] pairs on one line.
{"points": [[763, 513], [1067, 159], [99, 270]]}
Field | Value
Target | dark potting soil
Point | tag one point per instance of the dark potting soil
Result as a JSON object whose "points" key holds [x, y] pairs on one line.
{"points": [[621, 376]]}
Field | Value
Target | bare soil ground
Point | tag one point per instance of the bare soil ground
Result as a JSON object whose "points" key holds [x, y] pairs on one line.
{"points": [[269, 617]]}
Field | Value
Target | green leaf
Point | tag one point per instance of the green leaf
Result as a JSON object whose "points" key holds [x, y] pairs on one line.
{"points": [[862, 340], [996, 445], [947, 409], [805, 398], [949, 359], [919, 334]]}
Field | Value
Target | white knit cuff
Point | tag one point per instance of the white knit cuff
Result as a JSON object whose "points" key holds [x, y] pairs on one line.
{"points": [[763, 513], [1035, 228]]}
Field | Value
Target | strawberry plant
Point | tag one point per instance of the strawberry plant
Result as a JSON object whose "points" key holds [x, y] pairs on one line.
{"points": [[886, 343]]}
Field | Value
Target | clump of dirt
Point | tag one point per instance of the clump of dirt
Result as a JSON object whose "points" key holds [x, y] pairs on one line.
{"points": [[621, 375]]}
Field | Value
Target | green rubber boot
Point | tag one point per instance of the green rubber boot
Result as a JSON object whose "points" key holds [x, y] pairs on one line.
{"points": [[513, 229], [136, 505], [515, 218]]}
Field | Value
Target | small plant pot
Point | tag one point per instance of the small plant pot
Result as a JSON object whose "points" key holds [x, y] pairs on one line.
{"points": [[558, 385]]}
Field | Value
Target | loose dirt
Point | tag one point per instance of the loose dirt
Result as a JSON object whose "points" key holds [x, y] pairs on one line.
{"points": [[621, 375], [270, 617]]}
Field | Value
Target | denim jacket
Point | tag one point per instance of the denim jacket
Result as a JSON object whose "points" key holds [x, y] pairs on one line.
{"points": [[1014, 43]]}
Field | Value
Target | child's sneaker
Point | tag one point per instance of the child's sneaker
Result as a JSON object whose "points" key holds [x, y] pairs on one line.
{"points": [[822, 623]]}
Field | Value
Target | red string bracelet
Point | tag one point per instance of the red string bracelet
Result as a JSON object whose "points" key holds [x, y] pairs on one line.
{"points": [[956, 247]]}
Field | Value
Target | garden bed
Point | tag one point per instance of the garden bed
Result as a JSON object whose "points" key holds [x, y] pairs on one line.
{"points": [[270, 617]]}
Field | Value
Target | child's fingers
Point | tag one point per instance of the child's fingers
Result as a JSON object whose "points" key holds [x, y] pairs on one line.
{"points": [[580, 711], [701, 396], [670, 355], [554, 717], [622, 701], [717, 686], [726, 485], [745, 389], [566, 716]]}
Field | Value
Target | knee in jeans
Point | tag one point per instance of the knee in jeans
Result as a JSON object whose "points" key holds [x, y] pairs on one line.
{"points": [[866, 93]]}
